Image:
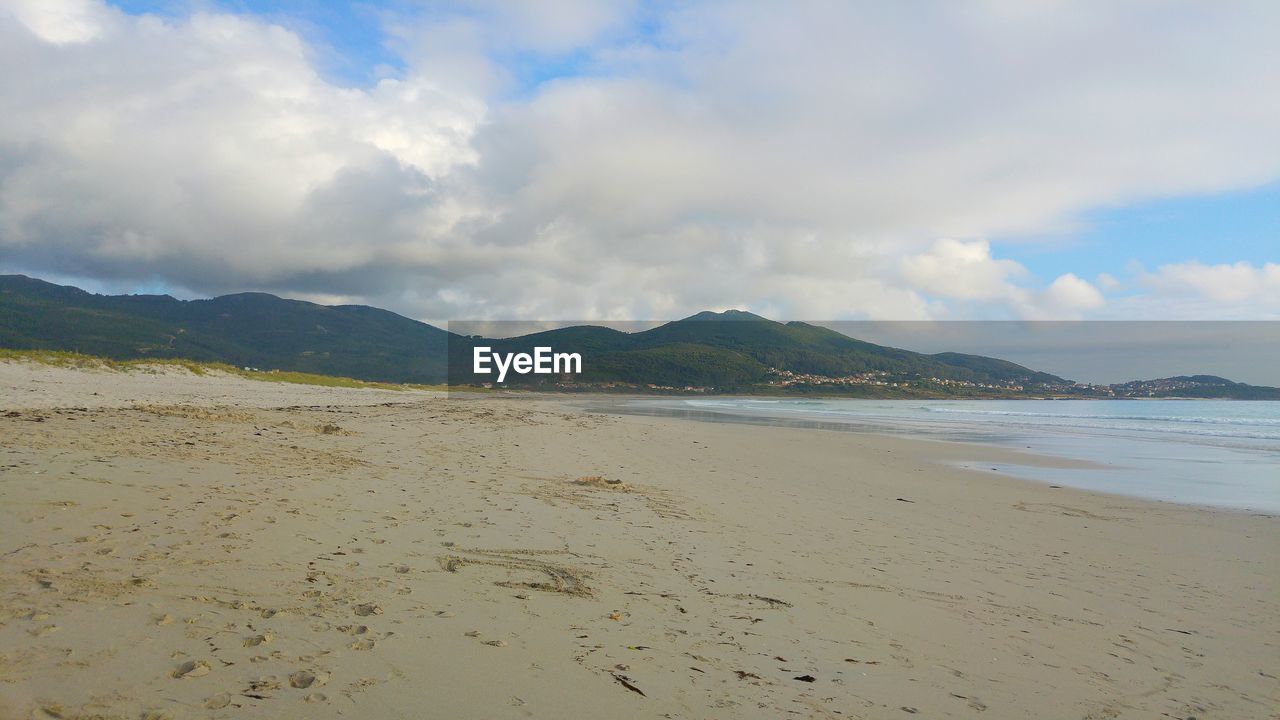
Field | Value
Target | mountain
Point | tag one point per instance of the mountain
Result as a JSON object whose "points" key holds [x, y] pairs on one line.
{"points": [[247, 329], [731, 351], [1194, 386], [738, 351]]}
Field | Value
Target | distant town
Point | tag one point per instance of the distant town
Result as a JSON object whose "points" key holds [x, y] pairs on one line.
{"points": [[1182, 386], [884, 384], [881, 378]]}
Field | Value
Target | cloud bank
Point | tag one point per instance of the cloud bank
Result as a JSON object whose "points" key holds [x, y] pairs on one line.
{"points": [[822, 160]]}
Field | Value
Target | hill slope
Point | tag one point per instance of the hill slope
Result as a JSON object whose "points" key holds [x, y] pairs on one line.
{"points": [[1195, 386], [247, 329], [730, 351], [735, 350]]}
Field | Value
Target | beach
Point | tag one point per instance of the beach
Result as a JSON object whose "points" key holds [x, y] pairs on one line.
{"points": [[177, 545]]}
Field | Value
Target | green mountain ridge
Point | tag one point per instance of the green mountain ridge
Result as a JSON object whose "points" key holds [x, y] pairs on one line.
{"points": [[738, 350], [246, 329], [731, 351]]}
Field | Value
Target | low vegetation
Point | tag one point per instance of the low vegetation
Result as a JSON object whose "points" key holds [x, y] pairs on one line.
{"points": [[59, 358]]}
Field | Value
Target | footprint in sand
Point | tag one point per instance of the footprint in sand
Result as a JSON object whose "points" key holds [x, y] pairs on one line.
{"points": [[217, 702], [366, 609], [191, 669], [256, 640], [362, 645], [304, 679]]}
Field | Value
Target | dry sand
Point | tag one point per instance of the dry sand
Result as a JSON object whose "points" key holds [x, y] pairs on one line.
{"points": [[179, 546]]}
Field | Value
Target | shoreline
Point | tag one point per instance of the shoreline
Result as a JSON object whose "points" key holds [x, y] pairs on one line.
{"points": [[210, 550], [1040, 450], [941, 451]]}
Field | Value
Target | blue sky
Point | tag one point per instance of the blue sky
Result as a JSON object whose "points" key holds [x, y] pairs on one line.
{"points": [[626, 159], [351, 43], [1222, 228], [348, 38]]}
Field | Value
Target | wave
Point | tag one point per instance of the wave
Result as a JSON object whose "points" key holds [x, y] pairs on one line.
{"points": [[969, 417], [1196, 419]]}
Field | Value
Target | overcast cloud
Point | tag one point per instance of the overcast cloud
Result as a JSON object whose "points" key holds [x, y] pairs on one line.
{"points": [[829, 160]]}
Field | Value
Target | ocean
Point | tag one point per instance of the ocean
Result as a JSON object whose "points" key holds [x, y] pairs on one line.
{"points": [[1203, 452]]}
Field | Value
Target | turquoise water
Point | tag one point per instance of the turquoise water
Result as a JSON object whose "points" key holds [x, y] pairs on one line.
{"points": [[1203, 452]]}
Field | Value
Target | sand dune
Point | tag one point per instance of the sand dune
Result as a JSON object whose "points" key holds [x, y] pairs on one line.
{"points": [[181, 546]]}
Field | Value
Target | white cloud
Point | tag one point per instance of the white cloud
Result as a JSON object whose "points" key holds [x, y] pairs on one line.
{"points": [[1239, 284], [800, 159], [962, 270], [966, 271], [62, 21], [209, 152], [1068, 295]]}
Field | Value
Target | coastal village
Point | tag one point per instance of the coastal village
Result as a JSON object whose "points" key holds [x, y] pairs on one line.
{"points": [[1158, 388], [881, 378], [882, 383]]}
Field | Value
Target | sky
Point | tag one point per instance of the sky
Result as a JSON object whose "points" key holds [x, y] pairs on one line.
{"points": [[945, 160]]}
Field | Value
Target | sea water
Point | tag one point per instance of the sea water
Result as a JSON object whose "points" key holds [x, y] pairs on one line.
{"points": [[1223, 453]]}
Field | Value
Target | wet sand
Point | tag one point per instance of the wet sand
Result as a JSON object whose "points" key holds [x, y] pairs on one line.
{"points": [[218, 547]]}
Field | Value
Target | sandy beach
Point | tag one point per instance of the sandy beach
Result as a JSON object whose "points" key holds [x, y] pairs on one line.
{"points": [[180, 546]]}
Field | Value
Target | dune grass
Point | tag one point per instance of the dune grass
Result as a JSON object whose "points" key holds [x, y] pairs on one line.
{"points": [[60, 358], [301, 378]]}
